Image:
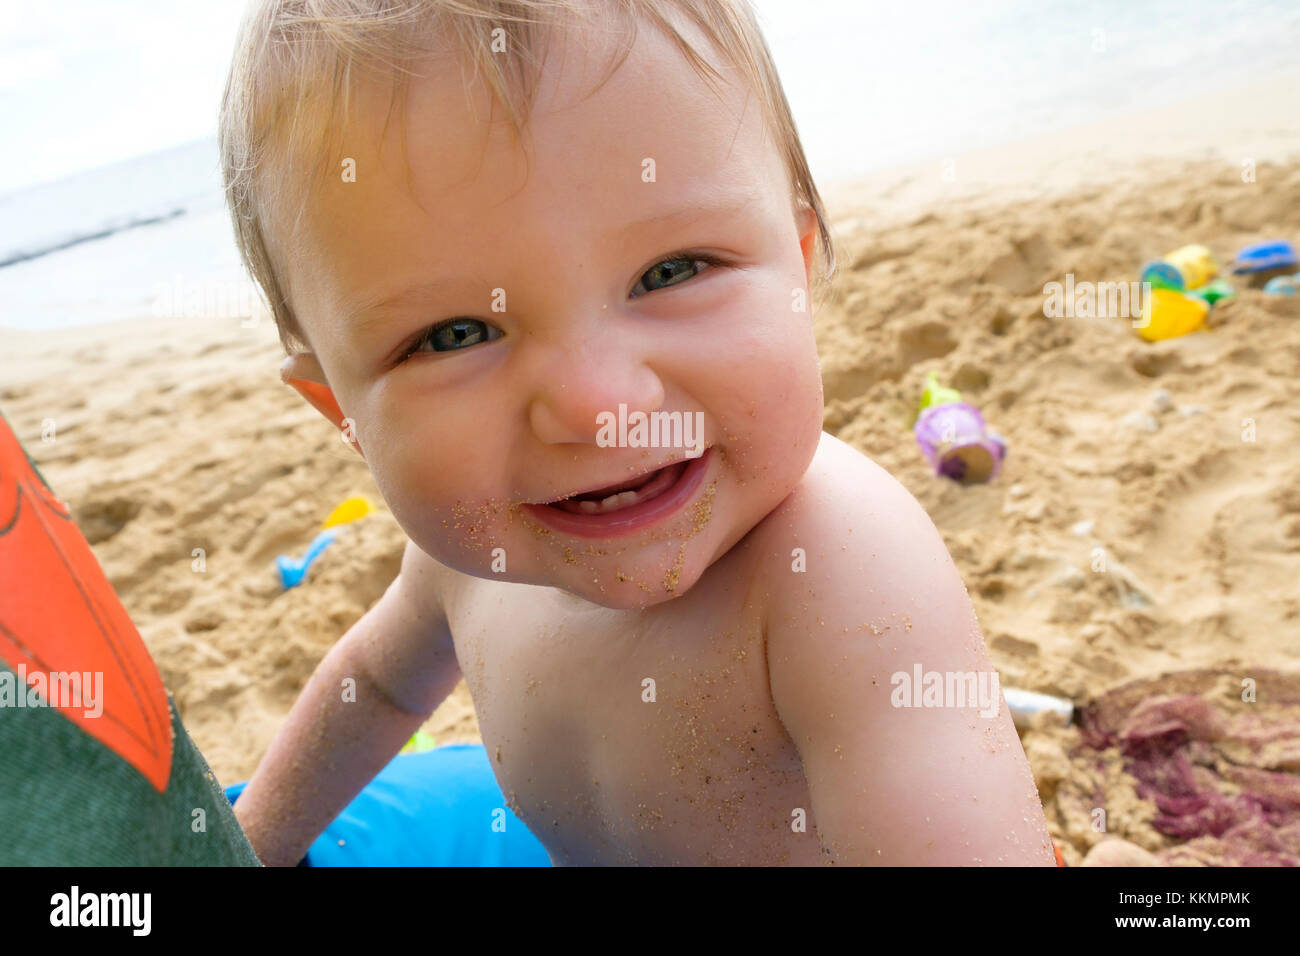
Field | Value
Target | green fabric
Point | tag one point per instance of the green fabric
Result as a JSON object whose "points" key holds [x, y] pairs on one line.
{"points": [[66, 799]]}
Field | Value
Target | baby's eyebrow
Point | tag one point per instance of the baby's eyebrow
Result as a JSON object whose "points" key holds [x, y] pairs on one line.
{"points": [[716, 207], [369, 315], [366, 317]]}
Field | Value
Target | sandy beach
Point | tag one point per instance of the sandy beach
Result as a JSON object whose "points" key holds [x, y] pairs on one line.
{"points": [[189, 466]]}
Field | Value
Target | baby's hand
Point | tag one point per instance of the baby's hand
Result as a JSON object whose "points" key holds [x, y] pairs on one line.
{"points": [[899, 774]]}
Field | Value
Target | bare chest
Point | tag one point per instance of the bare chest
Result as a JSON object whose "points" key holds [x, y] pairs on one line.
{"points": [[635, 736]]}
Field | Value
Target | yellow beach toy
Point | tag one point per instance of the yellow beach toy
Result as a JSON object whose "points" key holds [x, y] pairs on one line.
{"points": [[349, 510], [1169, 314], [1196, 263]]}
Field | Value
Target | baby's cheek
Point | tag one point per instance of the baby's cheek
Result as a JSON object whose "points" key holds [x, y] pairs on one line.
{"points": [[789, 425], [414, 492], [774, 401], [793, 368], [472, 539]]}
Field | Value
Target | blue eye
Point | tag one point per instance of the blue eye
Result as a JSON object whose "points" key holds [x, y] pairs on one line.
{"points": [[454, 335], [682, 268]]}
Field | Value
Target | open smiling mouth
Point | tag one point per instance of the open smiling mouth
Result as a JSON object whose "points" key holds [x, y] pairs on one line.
{"points": [[627, 506]]}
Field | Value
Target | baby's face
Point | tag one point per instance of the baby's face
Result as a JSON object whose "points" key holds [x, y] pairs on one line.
{"points": [[480, 322]]}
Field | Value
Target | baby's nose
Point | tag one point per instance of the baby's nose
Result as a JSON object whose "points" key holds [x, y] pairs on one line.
{"points": [[582, 385]]}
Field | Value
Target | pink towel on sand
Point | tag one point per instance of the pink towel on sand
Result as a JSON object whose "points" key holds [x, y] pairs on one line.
{"points": [[1224, 778]]}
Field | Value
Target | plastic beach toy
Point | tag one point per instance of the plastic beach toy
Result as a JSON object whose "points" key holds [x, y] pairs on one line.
{"points": [[419, 743], [953, 437], [1195, 263], [349, 509], [1169, 314], [292, 571], [1189, 267], [957, 443], [1026, 705], [1214, 291], [936, 394], [1281, 285], [1262, 256], [1163, 275]]}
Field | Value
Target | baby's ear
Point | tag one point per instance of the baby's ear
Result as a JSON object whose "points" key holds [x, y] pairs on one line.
{"points": [[806, 223], [303, 372]]}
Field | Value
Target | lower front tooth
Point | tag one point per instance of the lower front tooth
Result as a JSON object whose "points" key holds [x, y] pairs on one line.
{"points": [[589, 507]]}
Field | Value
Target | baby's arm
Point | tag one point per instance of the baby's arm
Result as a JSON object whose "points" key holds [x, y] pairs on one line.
{"points": [[374, 689], [889, 784]]}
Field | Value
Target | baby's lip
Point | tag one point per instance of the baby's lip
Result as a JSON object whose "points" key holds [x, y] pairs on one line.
{"points": [[617, 483]]}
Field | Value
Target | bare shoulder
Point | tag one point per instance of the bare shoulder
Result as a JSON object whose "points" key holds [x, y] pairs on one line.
{"points": [[850, 522], [841, 481], [859, 586], [861, 599]]}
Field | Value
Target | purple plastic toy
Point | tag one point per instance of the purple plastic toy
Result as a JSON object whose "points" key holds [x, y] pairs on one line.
{"points": [[955, 440]]}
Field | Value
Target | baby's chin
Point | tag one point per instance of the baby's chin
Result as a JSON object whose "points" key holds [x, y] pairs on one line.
{"points": [[609, 574]]}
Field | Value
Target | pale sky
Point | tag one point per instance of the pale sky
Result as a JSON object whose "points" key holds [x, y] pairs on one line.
{"points": [[84, 83]]}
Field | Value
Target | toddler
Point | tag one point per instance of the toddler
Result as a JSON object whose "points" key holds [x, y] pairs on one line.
{"points": [[574, 345]]}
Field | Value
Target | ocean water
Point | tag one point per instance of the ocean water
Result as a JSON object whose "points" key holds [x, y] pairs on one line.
{"points": [[118, 241], [871, 83]]}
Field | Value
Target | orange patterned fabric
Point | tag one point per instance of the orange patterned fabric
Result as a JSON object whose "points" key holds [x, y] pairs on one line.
{"points": [[59, 614]]}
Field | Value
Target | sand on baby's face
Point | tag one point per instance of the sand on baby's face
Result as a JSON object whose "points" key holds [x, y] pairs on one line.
{"points": [[1103, 553]]}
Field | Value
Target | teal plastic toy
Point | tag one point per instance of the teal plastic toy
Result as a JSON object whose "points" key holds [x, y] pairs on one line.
{"points": [[293, 571]]}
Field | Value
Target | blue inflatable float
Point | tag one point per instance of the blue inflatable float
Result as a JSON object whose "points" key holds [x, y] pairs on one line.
{"points": [[438, 808]]}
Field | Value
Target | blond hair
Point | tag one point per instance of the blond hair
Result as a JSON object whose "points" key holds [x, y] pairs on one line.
{"points": [[296, 61]]}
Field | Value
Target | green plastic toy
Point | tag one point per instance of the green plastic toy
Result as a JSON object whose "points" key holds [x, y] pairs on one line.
{"points": [[419, 743], [1213, 292], [936, 394]]}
